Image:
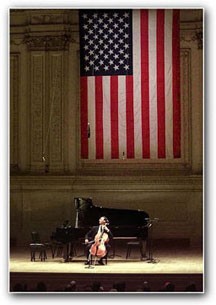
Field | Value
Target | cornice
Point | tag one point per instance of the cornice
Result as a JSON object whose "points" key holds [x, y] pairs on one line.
{"points": [[106, 183]]}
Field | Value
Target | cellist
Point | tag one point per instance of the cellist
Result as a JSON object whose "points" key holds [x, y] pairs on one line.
{"points": [[98, 231]]}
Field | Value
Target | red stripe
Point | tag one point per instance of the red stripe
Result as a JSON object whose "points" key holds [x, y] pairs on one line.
{"points": [[129, 116], [160, 85], [176, 86], [145, 83], [114, 117], [84, 117], [99, 116]]}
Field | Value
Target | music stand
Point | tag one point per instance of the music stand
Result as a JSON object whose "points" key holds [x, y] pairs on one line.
{"points": [[150, 225]]}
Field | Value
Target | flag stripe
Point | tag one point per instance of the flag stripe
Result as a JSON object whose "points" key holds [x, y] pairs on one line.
{"points": [[145, 83], [114, 117], [129, 116], [160, 84], [84, 117], [176, 87], [99, 116], [122, 116], [153, 85], [168, 85], [91, 115], [137, 84], [106, 117]]}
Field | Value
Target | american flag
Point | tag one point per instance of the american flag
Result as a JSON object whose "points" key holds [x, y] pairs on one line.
{"points": [[130, 84]]}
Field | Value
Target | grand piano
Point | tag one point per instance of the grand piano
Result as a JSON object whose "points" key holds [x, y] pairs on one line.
{"points": [[124, 224]]}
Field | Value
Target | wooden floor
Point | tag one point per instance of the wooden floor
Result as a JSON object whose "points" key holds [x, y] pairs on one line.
{"points": [[179, 264]]}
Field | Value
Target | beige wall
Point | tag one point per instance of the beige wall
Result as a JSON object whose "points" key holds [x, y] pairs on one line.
{"points": [[44, 79]]}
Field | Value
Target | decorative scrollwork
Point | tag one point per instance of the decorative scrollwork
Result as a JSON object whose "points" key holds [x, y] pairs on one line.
{"points": [[53, 43], [195, 36]]}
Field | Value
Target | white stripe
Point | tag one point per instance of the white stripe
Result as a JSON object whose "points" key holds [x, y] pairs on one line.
{"points": [[122, 116], [106, 117], [168, 85], [137, 85], [91, 117], [153, 85]]}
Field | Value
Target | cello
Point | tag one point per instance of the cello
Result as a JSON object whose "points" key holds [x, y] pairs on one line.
{"points": [[98, 249]]}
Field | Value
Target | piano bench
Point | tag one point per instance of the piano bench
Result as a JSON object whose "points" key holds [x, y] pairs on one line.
{"points": [[38, 248], [133, 244]]}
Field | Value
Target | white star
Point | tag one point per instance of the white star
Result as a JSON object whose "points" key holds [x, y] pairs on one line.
{"points": [[101, 62], [110, 20], [95, 15], [121, 31], [106, 56], [116, 56], [116, 67], [86, 47], [90, 21], [115, 15], [126, 67], [116, 46], [86, 68], [126, 25], [91, 62], [110, 41], [111, 62], [85, 37], [110, 51], [96, 56], [95, 26], [126, 56], [91, 52], [121, 61], [121, 20], [84, 16], [91, 42], [105, 26], [126, 46], [96, 36], [110, 31], [90, 31], [86, 57], [105, 46], [105, 15], [126, 35], [85, 26], [121, 51], [100, 20], [100, 41], [100, 31], [116, 36], [115, 25], [96, 68], [101, 52], [106, 68], [126, 15]]}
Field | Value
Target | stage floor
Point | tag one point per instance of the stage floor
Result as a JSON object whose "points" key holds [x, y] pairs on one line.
{"points": [[165, 261]]}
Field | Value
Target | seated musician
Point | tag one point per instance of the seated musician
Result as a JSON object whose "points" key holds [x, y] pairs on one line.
{"points": [[91, 236]]}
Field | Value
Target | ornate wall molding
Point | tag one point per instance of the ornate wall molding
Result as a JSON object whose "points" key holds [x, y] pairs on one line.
{"points": [[192, 33], [37, 106], [56, 105], [185, 67], [14, 109], [48, 42]]}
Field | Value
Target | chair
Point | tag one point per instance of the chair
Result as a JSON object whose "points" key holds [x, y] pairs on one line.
{"points": [[131, 245], [36, 246]]}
